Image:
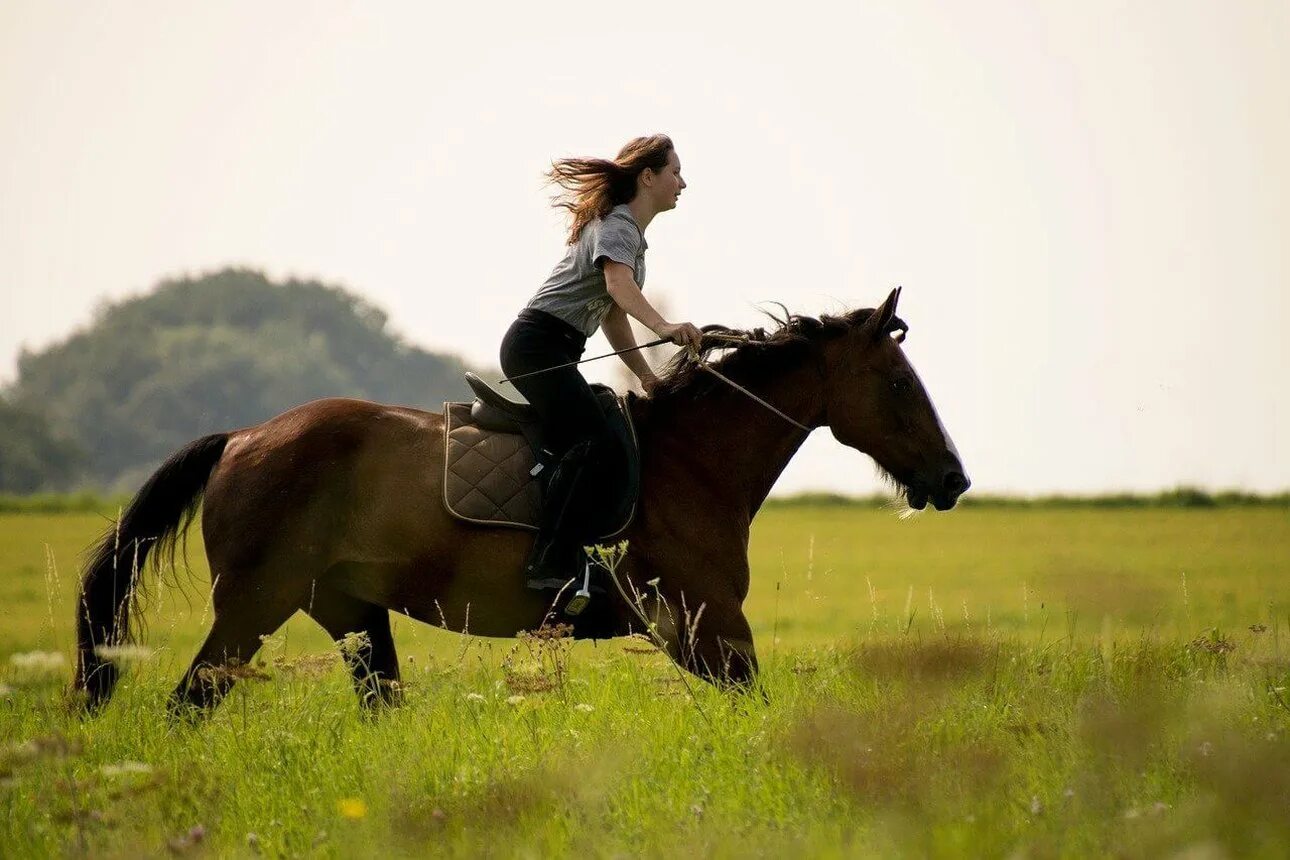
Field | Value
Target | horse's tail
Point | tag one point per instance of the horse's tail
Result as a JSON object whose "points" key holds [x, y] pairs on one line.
{"points": [[158, 514]]}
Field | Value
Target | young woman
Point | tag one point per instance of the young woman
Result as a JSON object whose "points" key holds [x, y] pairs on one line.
{"points": [[598, 283]]}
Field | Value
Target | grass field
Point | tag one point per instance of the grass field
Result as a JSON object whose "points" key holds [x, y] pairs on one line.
{"points": [[997, 681]]}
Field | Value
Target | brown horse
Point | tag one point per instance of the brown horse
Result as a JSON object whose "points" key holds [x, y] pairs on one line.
{"points": [[335, 508]]}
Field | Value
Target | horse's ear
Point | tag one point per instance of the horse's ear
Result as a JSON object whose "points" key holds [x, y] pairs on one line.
{"points": [[880, 320]]}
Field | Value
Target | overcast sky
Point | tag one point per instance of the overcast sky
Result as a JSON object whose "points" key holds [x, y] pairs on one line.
{"points": [[1088, 204]]}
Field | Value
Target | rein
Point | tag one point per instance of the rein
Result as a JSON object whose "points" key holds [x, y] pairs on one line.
{"points": [[661, 340], [701, 361]]}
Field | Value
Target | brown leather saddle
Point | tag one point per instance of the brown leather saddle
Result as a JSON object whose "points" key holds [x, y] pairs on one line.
{"points": [[496, 465]]}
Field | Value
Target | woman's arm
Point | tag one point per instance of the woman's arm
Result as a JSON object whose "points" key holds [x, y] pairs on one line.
{"points": [[618, 331], [621, 284]]}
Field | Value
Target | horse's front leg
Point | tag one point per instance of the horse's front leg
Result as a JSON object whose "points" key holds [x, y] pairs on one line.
{"points": [[710, 638], [720, 647]]}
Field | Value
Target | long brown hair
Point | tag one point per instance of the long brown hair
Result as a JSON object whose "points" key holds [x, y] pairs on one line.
{"points": [[593, 186]]}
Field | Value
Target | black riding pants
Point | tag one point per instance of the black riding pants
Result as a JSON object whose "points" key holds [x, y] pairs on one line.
{"points": [[562, 399]]}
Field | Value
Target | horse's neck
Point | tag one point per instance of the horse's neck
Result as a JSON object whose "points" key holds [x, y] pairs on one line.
{"points": [[733, 446]]}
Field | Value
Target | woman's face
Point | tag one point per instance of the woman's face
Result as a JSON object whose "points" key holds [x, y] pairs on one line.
{"points": [[665, 187]]}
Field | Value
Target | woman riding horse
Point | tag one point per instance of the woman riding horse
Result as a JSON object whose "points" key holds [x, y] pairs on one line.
{"points": [[598, 283]]}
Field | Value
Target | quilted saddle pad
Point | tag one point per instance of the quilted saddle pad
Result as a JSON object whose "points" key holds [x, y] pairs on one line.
{"points": [[486, 476], [487, 479]]}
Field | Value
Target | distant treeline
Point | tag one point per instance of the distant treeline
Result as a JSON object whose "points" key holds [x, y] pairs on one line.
{"points": [[1186, 497], [62, 503], [1181, 497]]}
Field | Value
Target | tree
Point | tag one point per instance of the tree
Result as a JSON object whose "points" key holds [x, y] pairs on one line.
{"points": [[216, 352], [32, 457]]}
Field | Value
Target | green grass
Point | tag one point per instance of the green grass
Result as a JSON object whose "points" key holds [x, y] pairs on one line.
{"points": [[1044, 681]]}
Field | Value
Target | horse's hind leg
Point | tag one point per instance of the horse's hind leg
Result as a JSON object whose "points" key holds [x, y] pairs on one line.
{"points": [[370, 656], [242, 615]]}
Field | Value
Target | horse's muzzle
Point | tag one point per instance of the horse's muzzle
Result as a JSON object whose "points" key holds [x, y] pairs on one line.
{"points": [[943, 493]]}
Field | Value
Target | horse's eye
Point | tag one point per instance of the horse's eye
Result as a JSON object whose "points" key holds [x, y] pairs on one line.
{"points": [[901, 385]]}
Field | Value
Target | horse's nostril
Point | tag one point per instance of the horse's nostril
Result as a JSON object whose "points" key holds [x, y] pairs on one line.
{"points": [[956, 483]]}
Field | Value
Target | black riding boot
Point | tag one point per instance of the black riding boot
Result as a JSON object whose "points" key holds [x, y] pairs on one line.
{"points": [[557, 555]]}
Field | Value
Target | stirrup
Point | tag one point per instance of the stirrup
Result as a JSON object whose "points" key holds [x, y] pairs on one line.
{"points": [[579, 601]]}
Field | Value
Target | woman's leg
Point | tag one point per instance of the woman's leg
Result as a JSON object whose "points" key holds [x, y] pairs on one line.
{"points": [[563, 400], [580, 438]]}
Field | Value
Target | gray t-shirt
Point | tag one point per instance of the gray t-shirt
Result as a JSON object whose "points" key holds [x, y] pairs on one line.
{"points": [[575, 292]]}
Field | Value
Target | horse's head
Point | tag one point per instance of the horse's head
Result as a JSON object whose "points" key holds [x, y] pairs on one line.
{"points": [[875, 403]]}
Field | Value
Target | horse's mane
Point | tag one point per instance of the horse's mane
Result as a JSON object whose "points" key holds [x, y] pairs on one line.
{"points": [[760, 353]]}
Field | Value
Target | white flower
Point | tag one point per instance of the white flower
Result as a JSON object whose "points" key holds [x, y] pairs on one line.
{"points": [[124, 653], [125, 767], [474, 697], [38, 661], [514, 700], [584, 707]]}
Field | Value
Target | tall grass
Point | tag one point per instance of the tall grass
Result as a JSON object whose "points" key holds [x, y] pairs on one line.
{"points": [[995, 682]]}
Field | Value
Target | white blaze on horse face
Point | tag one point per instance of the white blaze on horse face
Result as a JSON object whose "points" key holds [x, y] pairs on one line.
{"points": [[945, 434]]}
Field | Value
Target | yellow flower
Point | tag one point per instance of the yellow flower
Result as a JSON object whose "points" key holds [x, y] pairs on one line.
{"points": [[351, 807]]}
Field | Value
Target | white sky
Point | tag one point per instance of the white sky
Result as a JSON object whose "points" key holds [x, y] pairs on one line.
{"points": [[1087, 203]]}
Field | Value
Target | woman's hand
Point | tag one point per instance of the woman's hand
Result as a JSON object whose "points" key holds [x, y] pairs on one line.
{"points": [[648, 381], [682, 334]]}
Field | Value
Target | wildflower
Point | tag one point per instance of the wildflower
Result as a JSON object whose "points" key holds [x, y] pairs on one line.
{"points": [[352, 808], [474, 697], [308, 665], [1036, 807], [125, 767], [514, 700], [233, 670], [53, 746], [124, 653], [584, 707], [181, 844], [352, 643], [607, 556], [272, 643], [38, 661]]}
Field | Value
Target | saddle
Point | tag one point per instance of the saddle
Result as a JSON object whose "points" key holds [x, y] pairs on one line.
{"points": [[496, 465]]}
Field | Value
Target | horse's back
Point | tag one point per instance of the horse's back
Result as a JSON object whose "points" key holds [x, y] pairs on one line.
{"points": [[333, 472]]}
